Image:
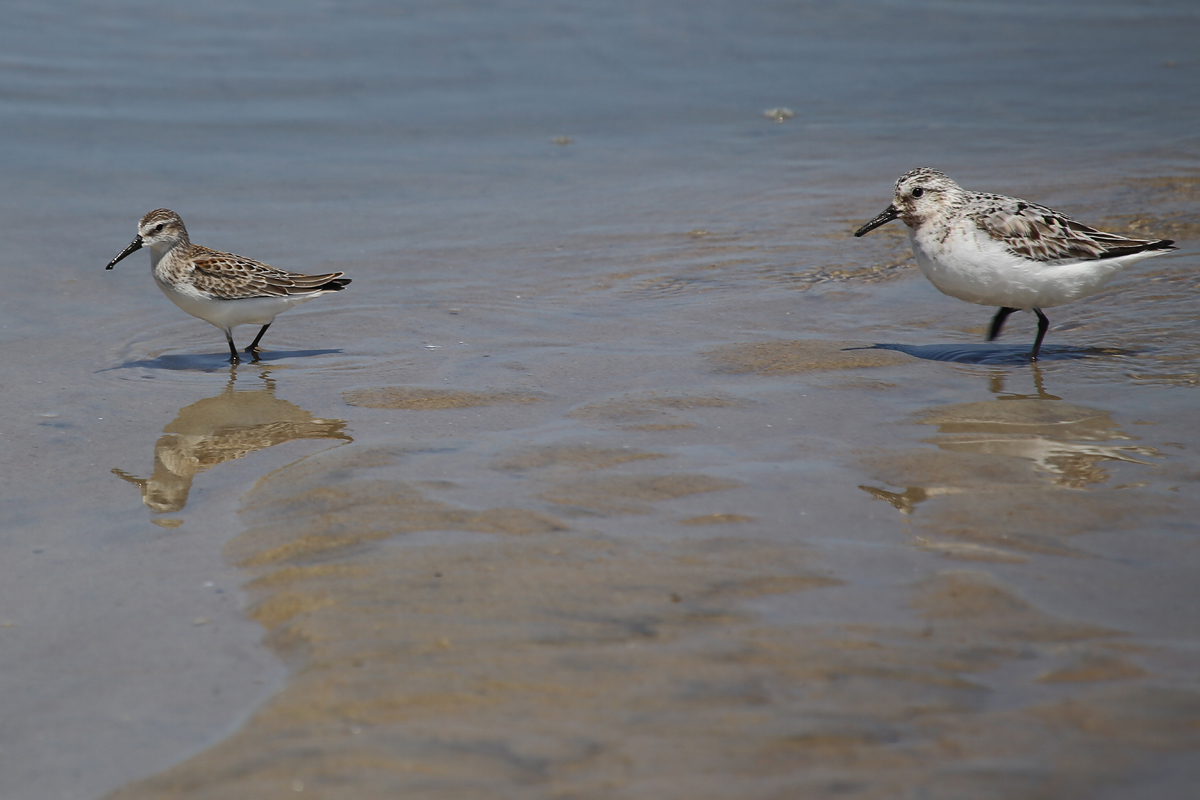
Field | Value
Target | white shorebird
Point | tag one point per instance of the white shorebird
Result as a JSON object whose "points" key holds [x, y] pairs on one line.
{"points": [[1001, 251], [221, 288]]}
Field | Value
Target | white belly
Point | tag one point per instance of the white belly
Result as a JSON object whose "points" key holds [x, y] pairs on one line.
{"points": [[982, 270], [228, 314]]}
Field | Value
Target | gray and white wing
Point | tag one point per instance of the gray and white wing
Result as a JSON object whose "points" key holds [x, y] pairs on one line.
{"points": [[1043, 234]]}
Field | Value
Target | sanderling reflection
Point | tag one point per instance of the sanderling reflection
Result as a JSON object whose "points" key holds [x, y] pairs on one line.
{"points": [[1001, 251], [221, 288]]}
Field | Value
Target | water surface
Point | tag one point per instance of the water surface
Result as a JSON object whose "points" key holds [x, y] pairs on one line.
{"points": [[621, 469]]}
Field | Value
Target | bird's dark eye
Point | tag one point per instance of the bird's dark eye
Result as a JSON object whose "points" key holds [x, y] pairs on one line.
{"points": [[158, 228], [917, 192]]}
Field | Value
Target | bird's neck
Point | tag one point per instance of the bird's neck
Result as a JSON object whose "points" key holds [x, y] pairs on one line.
{"points": [[162, 250]]}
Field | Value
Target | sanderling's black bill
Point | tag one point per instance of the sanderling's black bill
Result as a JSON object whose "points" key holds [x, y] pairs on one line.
{"points": [[890, 213]]}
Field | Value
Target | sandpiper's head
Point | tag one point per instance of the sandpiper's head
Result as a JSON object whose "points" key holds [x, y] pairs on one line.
{"points": [[924, 193], [159, 230], [920, 194], [162, 226]]}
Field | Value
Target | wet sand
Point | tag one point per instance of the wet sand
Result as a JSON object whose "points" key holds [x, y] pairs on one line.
{"points": [[557, 661], [563, 647], [621, 469]]}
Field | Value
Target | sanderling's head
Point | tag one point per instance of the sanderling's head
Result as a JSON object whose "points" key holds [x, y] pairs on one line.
{"points": [[159, 230], [920, 195], [925, 193]]}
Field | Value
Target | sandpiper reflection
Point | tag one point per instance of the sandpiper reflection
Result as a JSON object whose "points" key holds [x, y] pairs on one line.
{"points": [[1068, 444], [233, 424], [1071, 446]]}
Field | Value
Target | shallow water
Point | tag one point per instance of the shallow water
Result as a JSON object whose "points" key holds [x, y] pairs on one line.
{"points": [[620, 469]]}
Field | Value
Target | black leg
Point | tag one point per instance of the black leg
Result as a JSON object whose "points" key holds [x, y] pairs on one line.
{"points": [[254, 345], [234, 358], [1043, 326], [998, 322]]}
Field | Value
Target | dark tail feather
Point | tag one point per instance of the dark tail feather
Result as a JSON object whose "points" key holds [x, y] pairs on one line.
{"points": [[1140, 247], [335, 285]]}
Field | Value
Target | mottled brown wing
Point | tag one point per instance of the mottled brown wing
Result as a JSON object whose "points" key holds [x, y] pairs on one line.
{"points": [[232, 276], [1042, 234]]}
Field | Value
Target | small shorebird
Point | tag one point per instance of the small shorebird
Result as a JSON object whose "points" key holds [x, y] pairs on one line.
{"points": [[1001, 251], [221, 288]]}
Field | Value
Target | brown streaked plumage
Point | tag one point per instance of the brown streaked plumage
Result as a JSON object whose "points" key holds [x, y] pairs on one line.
{"points": [[223, 289]]}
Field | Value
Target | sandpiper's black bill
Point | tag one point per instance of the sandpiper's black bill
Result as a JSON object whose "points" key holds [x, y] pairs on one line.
{"points": [[136, 244], [890, 213]]}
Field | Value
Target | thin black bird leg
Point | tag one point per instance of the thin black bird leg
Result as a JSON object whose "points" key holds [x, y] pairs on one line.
{"points": [[234, 358], [998, 322], [254, 345], [1043, 326]]}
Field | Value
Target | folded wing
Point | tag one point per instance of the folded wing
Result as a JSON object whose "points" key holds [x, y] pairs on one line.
{"points": [[230, 277], [1042, 234]]}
